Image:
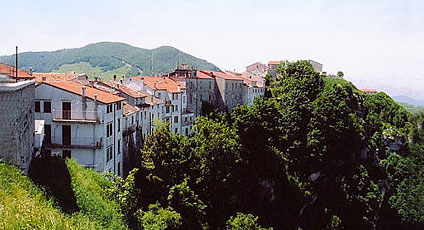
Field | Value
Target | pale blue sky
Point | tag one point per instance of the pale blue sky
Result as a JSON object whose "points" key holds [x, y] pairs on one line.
{"points": [[378, 44]]}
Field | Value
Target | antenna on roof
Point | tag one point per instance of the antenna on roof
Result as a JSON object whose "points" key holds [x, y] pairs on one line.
{"points": [[16, 64]]}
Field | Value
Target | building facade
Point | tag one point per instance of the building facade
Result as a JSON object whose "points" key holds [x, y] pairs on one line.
{"points": [[17, 122], [82, 123]]}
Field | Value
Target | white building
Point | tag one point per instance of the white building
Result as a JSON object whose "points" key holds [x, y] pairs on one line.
{"points": [[81, 122]]}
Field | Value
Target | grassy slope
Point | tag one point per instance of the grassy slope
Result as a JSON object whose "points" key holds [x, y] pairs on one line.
{"points": [[24, 206], [84, 67], [90, 190]]}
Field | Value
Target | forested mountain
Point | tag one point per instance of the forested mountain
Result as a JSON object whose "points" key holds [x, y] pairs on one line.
{"points": [[313, 154], [108, 58]]}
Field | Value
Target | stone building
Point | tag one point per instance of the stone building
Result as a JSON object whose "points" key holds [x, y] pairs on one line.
{"points": [[17, 122]]}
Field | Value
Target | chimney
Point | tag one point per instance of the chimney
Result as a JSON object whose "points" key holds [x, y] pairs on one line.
{"points": [[122, 82], [114, 77], [30, 71], [123, 77], [83, 91]]}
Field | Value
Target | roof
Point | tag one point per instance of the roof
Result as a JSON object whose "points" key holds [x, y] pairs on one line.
{"points": [[163, 83], [126, 90], [247, 79], [76, 88], [369, 90], [40, 77], [128, 109], [11, 71], [274, 62], [152, 100], [226, 76], [203, 74]]}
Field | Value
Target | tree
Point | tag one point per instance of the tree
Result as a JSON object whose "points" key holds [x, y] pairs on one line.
{"points": [[244, 222], [340, 74], [158, 218]]}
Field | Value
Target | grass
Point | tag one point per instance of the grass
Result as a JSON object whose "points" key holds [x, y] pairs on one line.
{"points": [[24, 206], [85, 67], [90, 188]]}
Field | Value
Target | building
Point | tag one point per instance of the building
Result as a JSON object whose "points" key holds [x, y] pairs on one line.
{"points": [[317, 66], [369, 91], [16, 121], [82, 123], [257, 68]]}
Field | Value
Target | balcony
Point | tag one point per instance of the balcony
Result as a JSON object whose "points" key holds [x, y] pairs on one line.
{"points": [[130, 129], [77, 143], [77, 116]]}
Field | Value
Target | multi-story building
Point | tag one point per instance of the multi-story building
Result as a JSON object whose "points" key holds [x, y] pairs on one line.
{"points": [[17, 121], [257, 68], [83, 123], [252, 88]]}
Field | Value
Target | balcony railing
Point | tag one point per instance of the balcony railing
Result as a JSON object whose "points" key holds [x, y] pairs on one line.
{"points": [[77, 115], [77, 142], [130, 129]]}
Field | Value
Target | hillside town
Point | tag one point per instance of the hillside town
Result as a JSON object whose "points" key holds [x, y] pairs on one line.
{"points": [[101, 123]]}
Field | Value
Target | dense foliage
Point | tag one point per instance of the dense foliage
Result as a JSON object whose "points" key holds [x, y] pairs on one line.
{"points": [[110, 58]]}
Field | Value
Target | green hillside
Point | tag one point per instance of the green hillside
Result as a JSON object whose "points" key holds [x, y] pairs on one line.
{"points": [[412, 108], [24, 206], [107, 59], [59, 195]]}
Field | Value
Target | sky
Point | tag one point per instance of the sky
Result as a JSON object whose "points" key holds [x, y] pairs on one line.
{"points": [[377, 44]]}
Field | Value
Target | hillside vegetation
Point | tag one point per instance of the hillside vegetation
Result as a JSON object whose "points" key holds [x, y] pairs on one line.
{"points": [[107, 59], [24, 206]]}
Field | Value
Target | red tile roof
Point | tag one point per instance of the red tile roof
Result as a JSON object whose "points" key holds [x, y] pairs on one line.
{"points": [[40, 77], [246, 79], [126, 90], [11, 71], [226, 76], [203, 74], [163, 83], [76, 88], [369, 90], [128, 109], [274, 62]]}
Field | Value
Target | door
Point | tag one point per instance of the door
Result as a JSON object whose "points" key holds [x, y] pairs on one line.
{"points": [[66, 135], [47, 134], [66, 110]]}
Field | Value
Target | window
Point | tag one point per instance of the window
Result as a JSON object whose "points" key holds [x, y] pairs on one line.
{"points": [[119, 147], [210, 85], [209, 98], [109, 130], [118, 106], [176, 107], [176, 130], [47, 107], [159, 94], [119, 124], [167, 109], [175, 119], [66, 153], [132, 120], [109, 108], [119, 168], [37, 106], [109, 154], [186, 131]]}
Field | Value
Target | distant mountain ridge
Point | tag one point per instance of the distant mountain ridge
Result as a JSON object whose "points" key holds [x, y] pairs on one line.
{"points": [[107, 59], [408, 100]]}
